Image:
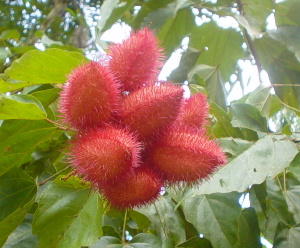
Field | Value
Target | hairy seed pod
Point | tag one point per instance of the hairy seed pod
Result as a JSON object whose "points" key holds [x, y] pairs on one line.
{"points": [[136, 60], [184, 156], [91, 96], [151, 108], [137, 189], [104, 155], [194, 112]]}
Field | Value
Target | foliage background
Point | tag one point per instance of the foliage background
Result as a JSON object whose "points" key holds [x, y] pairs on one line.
{"points": [[42, 40]]}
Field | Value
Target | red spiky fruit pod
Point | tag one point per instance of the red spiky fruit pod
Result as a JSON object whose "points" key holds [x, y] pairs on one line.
{"points": [[91, 96], [103, 155], [194, 112], [149, 109], [185, 156], [136, 60], [137, 189]]}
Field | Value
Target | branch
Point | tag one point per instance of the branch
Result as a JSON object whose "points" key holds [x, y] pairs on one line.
{"points": [[250, 43], [58, 10]]}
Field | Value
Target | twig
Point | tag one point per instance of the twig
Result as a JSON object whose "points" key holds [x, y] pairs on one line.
{"points": [[250, 44], [57, 10], [49, 178], [71, 173], [124, 227], [59, 126]]}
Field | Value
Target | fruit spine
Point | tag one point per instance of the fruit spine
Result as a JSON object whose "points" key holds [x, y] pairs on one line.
{"points": [[135, 134]]}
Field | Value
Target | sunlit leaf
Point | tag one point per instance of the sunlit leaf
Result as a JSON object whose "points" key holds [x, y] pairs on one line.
{"points": [[44, 67], [247, 116], [175, 29], [221, 47], [266, 158], [21, 107]]}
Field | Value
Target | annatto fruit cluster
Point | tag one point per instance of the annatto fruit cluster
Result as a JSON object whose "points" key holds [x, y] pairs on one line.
{"points": [[134, 133]]}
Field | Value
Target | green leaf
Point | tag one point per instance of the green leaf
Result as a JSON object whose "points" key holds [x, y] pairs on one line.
{"points": [[283, 69], [147, 8], [247, 116], [4, 53], [268, 104], [188, 60], [223, 127], [214, 83], [215, 216], [106, 10], [17, 193], [10, 34], [288, 36], [141, 220], [266, 158], [21, 107], [50, 66], [111, 11], [141, 240], [295, 166], [234, 147], [7, 86], [286, 12], [22, 237], [195, 242], [175, 29], [258, 196], [278, 202], [19, 138], [146, 240], [255, 13], [166, 221], [223, 47], [248, 229], [68, 215], [287, 236], [293, 201], [46, 97], [107, 241]]}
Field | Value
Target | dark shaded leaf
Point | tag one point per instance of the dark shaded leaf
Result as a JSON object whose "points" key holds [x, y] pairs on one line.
{"points": [[220, 227], [68, 215], [171, 220], [19, 138], [195, 242], [187, 62], [287, 236], [249, 233], [22, 236], [223, 127], [17, 193]]}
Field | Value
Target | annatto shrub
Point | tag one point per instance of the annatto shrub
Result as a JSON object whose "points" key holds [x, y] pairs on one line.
{"points": [[134, 133]]}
